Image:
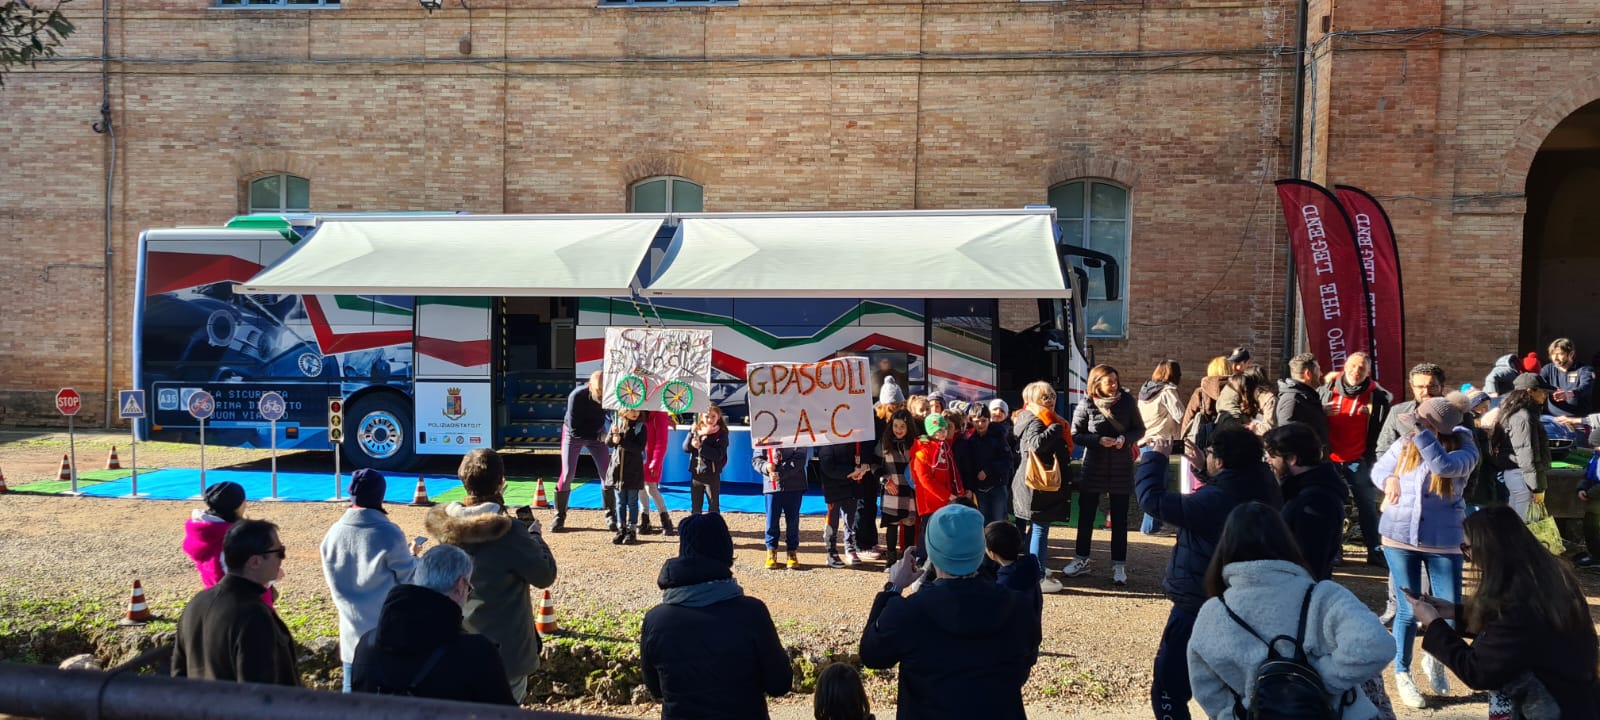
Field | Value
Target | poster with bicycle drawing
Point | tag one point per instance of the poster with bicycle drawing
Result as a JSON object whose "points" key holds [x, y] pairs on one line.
{"points": [[657, 369]]}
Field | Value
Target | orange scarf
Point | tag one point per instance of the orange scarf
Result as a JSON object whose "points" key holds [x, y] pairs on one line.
{"points": [[1049, 417]]}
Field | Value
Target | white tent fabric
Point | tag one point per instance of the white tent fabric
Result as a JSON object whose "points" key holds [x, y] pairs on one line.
{"points": [[940, 254], [530, 255]]}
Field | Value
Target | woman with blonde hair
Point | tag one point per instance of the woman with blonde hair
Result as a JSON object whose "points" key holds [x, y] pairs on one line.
{"points": [[1200, 416], [1109, 428], [1163, 416], [1041, 431], [1423, 476]]}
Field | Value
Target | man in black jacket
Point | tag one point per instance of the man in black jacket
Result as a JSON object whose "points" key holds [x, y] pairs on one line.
{"points": [[1236, 475], [965, 646], [419, 648], [1298, 399], [709, 651], [583, 428], [1313, 494], [227, 632]]}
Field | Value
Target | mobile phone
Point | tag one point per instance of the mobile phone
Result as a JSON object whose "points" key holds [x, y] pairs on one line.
{"points": [[524, 513], [418, 541]]}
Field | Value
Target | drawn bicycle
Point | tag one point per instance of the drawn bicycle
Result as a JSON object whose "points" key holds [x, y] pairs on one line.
{"points": [[634, 389]]}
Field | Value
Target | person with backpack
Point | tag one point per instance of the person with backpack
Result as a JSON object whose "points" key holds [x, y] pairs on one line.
{"points": [[1235, 475], [1533, 640], [1423, 476], [1519, 445], [1313, 494], [1274, 642], [1108, 427]]}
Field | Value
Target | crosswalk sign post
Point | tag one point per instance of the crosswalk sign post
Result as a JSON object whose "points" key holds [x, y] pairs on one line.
{"points": [[130, 406], [335, 440]]}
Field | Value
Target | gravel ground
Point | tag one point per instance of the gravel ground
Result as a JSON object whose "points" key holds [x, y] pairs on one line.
{"points": [[1098, 640]]}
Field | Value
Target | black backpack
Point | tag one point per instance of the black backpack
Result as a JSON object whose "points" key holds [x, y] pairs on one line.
{"points": [[1286, 687]]}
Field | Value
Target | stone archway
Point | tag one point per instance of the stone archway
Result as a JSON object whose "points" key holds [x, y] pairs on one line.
{"points": [[1561, 234]]}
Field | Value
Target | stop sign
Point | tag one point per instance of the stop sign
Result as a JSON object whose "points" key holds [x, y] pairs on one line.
{"points": [[68, 402]]}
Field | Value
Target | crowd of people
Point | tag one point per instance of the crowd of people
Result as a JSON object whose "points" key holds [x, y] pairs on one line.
{"points": [[956, 499]]}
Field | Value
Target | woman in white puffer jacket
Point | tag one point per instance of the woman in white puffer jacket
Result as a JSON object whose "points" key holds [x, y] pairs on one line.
{"points": [[1259, 574]]}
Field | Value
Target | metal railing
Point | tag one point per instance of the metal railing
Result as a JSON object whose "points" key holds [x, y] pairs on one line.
{"points": [[37, 691]]}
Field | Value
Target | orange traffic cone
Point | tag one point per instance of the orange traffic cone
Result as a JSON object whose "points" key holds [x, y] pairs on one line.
{"points": [[539, 500], [3, 487], [138, 612], [112, 463], [546, 622], [65, 474], [420, 499]]}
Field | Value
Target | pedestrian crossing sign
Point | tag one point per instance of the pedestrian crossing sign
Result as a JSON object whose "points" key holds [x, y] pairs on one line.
{"points": [[130, 404]]}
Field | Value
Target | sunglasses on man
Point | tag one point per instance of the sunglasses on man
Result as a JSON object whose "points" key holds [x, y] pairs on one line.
{"points": [[280, 551]]}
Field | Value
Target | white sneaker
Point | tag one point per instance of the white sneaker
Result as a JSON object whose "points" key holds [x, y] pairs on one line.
{"points": [[1407, 690], [1076, 568], [1119, 575], [1432, 669], [1049, 585], [852, 559]]}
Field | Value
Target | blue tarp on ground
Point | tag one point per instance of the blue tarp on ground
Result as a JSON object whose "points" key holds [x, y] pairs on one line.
{"points": [[184, 483]]}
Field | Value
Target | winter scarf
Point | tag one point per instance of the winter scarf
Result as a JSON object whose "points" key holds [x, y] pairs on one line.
{"points": [[1049, 417]]}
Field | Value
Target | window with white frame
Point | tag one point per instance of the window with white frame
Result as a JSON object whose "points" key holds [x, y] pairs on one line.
{"points": [[666, 194], [280, 193], [1094, 214]]}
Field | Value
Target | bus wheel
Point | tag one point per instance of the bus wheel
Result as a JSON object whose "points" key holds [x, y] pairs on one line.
{"points": [[380, 437]]}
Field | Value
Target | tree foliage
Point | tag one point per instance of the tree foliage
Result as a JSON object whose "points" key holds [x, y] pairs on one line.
{"points": [[28, 33]]}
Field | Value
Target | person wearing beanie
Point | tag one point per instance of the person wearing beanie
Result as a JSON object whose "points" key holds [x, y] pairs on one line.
{"points": [[936, 402], [1519, 446], [508, 559], [933, 470], [965, 645], [364, 555], [1000, 424], [1423, 477], [890, 393], [206, 527], [1483, 488], [708, 651]]}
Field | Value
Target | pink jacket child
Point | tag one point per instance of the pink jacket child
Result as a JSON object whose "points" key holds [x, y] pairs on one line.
{"points": [[204, 530], [659, 427]]}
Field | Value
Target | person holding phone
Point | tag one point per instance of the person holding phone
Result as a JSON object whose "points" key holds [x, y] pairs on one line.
{"points": [[364, 555]]}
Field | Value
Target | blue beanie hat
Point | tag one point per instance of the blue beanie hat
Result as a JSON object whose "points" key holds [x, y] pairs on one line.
{"points": [[954, 540]]}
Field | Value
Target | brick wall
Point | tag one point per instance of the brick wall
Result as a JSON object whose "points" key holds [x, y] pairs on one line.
{"points": [[773, 106]]}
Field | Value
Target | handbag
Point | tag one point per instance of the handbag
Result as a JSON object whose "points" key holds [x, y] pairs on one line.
{"points": [[1544, 528], [1039, 477]]}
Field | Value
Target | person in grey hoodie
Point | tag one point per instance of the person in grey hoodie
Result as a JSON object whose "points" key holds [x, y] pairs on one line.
{"points": [[1256, 571], [1162, 412], [364, 555]]}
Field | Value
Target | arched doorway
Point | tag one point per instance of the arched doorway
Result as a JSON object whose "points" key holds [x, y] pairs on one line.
{"points": [[1561, 237]]}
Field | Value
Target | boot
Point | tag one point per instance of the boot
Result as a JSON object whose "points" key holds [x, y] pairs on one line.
{"points": [[560, 525], [633, 537], [666, 525], [620, 536], [644, 525], [794, 560], [609, 500], [772, 558]]}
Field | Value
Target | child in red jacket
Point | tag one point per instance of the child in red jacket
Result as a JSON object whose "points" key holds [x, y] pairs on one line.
{"points": [[933, 470]]}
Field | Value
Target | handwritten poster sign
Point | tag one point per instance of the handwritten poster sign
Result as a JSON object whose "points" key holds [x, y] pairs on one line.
{"points": [[657, 369], [809, 404]]}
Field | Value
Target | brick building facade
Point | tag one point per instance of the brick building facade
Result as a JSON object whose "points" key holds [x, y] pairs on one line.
{"points": [[524, 106]]}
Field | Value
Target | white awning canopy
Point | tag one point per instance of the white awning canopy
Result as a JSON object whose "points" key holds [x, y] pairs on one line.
{"points": [[501, 255], [911, 254]]}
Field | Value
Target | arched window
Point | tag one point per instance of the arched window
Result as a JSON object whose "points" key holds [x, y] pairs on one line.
{"points": [[280, 193], [666, 194], [1094, 214]]}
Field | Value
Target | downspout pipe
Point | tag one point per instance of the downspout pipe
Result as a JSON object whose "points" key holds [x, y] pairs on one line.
{"points": [[1296, 157], [104, 127]]}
